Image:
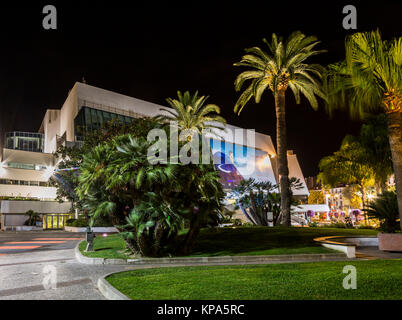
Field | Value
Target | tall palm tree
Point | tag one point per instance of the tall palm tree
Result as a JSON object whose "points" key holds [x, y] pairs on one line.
{"points": [[281, 67], [370, 80], [192, 114]]}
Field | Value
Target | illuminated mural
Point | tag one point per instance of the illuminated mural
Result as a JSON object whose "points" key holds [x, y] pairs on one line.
{"points": [[236, 163]]}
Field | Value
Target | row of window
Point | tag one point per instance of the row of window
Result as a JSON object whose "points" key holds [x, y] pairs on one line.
{"points": [[26, 166], [93, 119], [24, 183], [25, 141]]}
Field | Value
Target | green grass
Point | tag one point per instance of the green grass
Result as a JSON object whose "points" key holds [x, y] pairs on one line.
{"points": [[239, 241], [110, 247], [376, 279], [266, 241]]}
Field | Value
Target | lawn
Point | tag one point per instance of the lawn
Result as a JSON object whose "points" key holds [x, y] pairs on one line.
{"points": [[239, 241], [376, 279], [110, 247]]}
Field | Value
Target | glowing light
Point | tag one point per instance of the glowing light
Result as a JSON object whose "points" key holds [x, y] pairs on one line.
{"points": [[263, 163], [67, 169], [49, 171], [2, 169], [105, 235]]}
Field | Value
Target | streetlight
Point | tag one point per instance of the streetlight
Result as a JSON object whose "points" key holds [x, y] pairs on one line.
{"points": [[89, 237]]}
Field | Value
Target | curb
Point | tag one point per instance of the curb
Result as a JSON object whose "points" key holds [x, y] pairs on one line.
{"points": [[206, 260], [110, 292]]}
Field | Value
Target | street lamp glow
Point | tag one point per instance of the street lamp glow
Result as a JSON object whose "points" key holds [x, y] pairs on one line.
{"points": [[49, 171]]}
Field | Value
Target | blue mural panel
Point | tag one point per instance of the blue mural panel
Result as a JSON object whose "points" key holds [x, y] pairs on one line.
{"points": [[236, 163]]}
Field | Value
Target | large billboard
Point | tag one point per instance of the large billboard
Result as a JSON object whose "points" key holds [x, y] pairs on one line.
{"points": [[236, 163]]}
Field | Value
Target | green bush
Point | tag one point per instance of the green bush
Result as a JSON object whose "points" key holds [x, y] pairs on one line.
{"points": [[82, 222], [248, 225], [33, 217], [385, 209], [103, 222], [337, 225], [79, 223], [313, 224], [18, 198], [364, 226], [69, 222]]}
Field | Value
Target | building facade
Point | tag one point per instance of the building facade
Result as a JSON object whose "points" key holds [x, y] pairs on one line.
{"points": [[28, 161]]}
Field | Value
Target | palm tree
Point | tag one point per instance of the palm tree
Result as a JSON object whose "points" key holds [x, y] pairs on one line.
{"points": [[283, 66], [191, 113], [385, 209], [370, 80], [348, 165]]}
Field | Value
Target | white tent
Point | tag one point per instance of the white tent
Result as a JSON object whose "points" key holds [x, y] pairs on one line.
{"points": [[313, 207]]}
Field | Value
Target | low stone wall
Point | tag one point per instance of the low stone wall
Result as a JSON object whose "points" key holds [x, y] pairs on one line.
{"points": [[347, 245], [390, 241], [94, 229], [212, 260], [22, 228]]}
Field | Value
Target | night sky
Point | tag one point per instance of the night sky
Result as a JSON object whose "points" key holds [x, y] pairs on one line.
{"points": [[149, 51]]}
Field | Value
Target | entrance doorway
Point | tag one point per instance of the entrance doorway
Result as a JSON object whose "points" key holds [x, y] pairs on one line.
{"points": [[55, 221]]}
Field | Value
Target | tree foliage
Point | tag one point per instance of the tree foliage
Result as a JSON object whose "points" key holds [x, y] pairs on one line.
{"points": [[282, 65], [191, 113], [316, 197], [346, 166], [149, 203], [369, 79], [385, 209]]}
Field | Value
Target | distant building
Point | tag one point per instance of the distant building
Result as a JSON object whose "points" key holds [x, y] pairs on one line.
{"points": [[334, 198], [312, 183]]}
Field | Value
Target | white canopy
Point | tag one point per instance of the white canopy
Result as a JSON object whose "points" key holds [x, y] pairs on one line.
{"points": [[313, 207]]}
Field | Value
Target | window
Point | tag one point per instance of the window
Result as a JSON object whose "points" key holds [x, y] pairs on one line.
{"points": [[25, 141], [92, 119], [24, 183], [18, 165]]}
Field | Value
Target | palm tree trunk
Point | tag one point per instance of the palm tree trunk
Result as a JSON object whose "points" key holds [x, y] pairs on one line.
{"points": [[395, 142], [283, 170], [363, 192]]}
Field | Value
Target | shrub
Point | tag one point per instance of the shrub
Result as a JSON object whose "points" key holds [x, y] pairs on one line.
{"points": [[70, 222], [337, 225], [364, 226], [247, 225], [313, 225], [385, 209], [33, 217], [80, 223]]}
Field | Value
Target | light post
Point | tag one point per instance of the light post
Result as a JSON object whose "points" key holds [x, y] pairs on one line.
{"points": [[89, 237]]}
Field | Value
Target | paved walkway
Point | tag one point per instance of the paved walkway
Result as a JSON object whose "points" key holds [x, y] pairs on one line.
{"points": [[375, 253], [23, 271]]}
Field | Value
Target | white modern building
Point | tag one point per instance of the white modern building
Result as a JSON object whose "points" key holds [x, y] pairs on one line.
{"points": [[27, 162]]}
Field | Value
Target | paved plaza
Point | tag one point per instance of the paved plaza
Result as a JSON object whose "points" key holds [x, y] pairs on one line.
{"points": [[27, 257]]}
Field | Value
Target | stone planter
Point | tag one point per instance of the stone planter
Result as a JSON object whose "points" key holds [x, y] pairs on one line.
{"points": [[390, 241]]}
